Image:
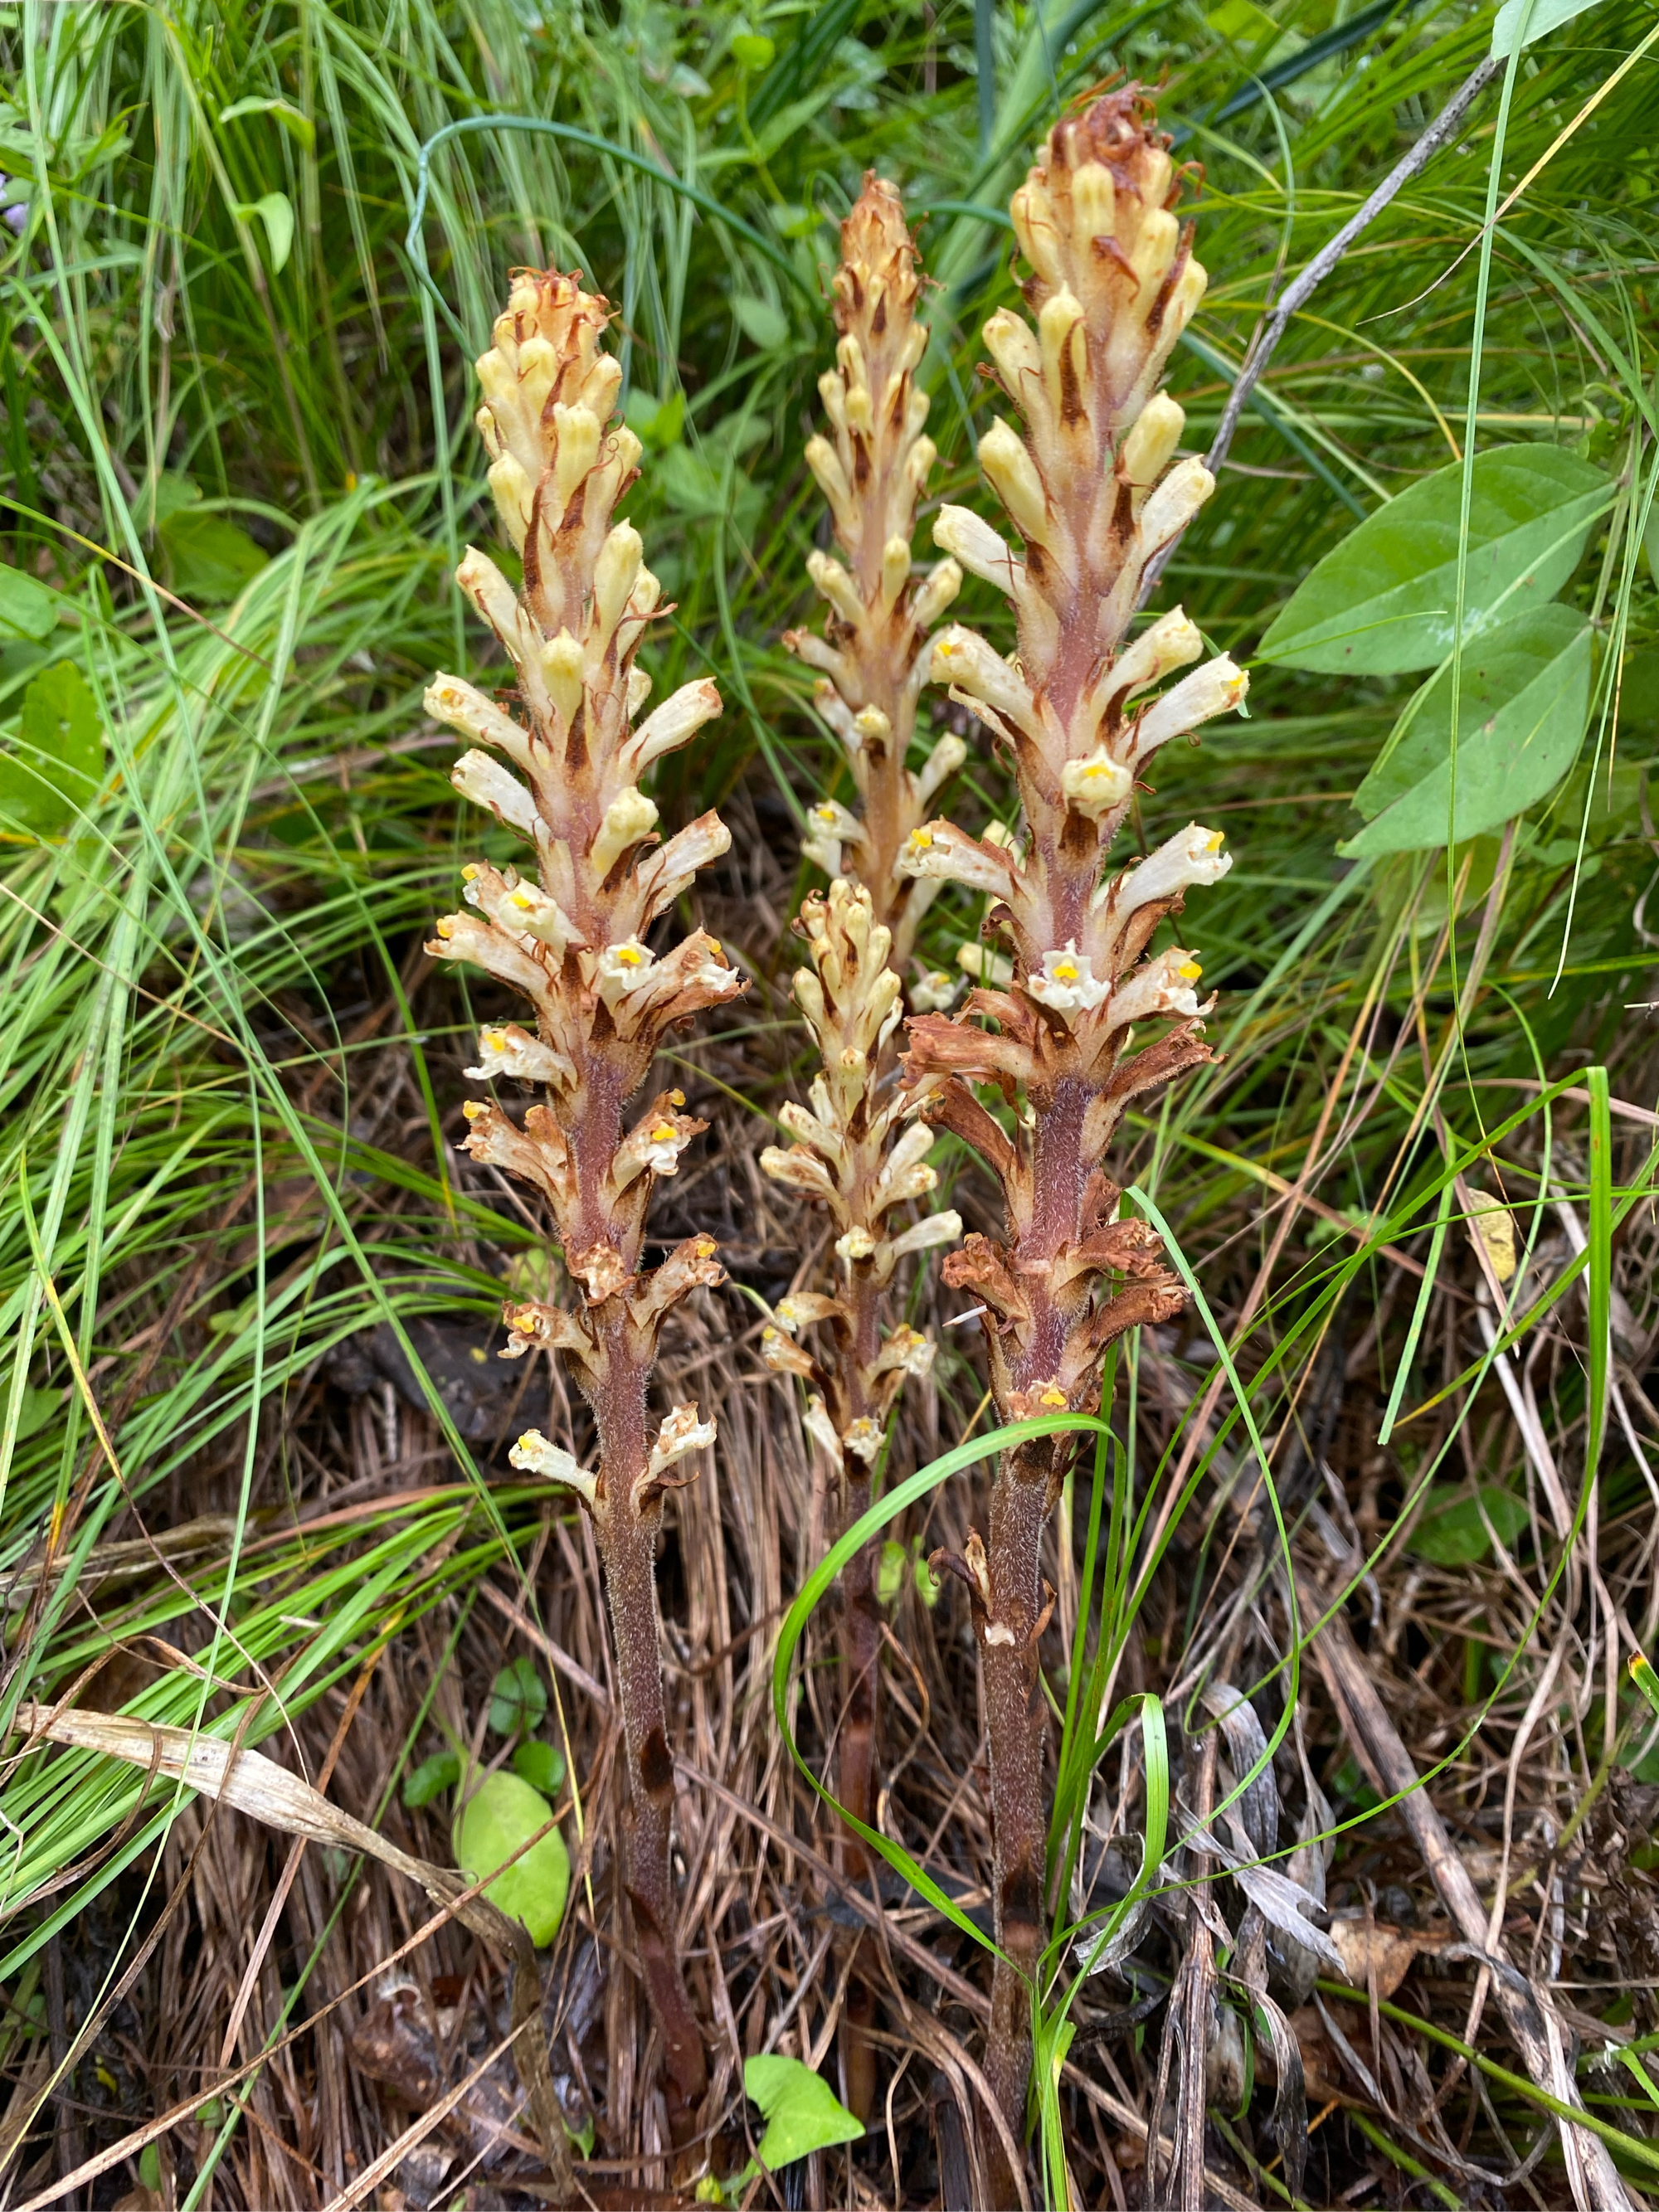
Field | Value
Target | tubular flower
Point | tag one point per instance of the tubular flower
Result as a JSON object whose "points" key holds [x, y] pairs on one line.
{"points": [[563, 769], [875, 653], [1092, 489]]}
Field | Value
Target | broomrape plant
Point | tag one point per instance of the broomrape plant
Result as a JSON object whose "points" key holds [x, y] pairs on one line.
{"points": [[853, 1153], [1090, 490], [571, 938]]}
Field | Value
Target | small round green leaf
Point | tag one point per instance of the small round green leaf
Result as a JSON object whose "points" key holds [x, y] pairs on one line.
{"points": [[890, 1568], [540, 1764], [504, 1813], [761, 323], [431, 1778], [58, 761], [752, 51], [518, 1699], [1455, 1536]]}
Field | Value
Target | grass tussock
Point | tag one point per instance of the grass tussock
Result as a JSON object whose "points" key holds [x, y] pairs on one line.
{"points": [[1347, 1580]]}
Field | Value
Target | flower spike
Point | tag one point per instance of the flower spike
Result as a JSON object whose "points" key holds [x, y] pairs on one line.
{"points": [[569, 934], [1092, 489]]}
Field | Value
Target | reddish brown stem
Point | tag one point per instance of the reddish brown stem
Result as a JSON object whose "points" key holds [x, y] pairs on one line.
{"points": [[1015, 1730], [1015, 1716], [855, 1777], [628, 1545], [856, 1750]]}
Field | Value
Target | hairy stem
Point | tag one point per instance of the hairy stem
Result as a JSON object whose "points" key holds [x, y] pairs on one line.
{"points": [[628, 1547]]}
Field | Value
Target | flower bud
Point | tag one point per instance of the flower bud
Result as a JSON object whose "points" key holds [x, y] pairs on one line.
{"points": [[1012, 474], [1147, 450], [630, 817]]}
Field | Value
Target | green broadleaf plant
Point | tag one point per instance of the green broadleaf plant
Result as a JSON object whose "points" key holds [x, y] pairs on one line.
{"points": [[57, 762], [499, 1820], [802, 2113], [1380, 604], [1529, 20], [1460, 1534], [27, 607], [517, 1697], [1524, 697], [276, 211]]}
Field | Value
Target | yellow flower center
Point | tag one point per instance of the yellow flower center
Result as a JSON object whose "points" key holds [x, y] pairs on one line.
{"points": [[1189, 971], [920, 840], [1064, 972], [1052, 1397], [446, 927], [628, 955], [474, 1107], [1215, 840], [470, 872]]}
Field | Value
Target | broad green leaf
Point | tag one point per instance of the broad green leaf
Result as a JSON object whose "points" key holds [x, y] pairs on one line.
{"points": [[1543, 16], [276, 211], [657, 423], [27, 607], [38, 1407], [1524, 697], [503, 1813], [1456, 1536], [431, 1778], [1638, 690], [518, 1699], [689, 484], [1381, 602], [540, 1764], [761, 323], [56, 764], [208, 557], [294, 120], [802, 2113]]}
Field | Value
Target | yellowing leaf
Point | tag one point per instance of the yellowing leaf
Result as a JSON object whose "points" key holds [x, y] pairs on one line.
{"points": [[1493, 1227], [502, 1813]]}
